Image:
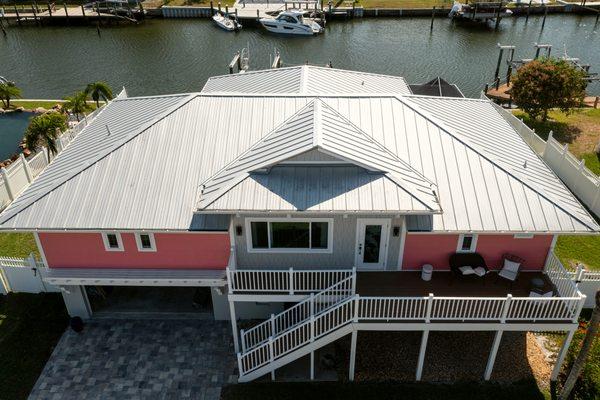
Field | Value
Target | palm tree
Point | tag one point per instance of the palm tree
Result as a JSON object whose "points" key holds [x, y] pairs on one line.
{"points": [[8, 90], [99, 90], [77, 104], [43, 130], [579, 363]]}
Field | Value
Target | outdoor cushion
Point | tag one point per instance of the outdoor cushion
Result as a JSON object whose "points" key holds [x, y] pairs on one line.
{"points": [[510, 275], [511, 266], [473, 260], [466, 270]]}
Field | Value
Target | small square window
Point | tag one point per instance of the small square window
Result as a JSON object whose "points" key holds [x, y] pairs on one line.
{"points": [[112, 242], [467, 243], [145, 242]]}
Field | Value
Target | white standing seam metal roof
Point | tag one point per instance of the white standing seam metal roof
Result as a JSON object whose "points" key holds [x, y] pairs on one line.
{"points": [[318, 126], [306, 79], [144, 171]]}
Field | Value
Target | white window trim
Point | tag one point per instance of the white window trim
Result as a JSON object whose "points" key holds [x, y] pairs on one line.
{"points": [[523, 235], [119, 241], [461, 237], [138, 241], [250, 249]]}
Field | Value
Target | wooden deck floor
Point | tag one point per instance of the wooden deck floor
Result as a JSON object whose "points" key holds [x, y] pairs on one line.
{"points": [[443, 284]]}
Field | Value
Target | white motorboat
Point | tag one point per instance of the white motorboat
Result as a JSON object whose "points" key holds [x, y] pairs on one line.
{"points": [[292, 22], [478, 11], [226, 22]]}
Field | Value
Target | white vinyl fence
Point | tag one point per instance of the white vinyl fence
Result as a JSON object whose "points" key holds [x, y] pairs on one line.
{"points": [[18, 175], [573, 172], [23, 275], [588, 283]]}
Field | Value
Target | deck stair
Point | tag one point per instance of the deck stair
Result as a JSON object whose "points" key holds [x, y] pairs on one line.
{"points": [[318, 320]]}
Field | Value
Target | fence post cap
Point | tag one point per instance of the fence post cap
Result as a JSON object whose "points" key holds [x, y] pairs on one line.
{"points": [[509, 296]]}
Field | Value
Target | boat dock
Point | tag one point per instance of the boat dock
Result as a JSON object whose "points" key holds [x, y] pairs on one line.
{"points": [[98, 12]]}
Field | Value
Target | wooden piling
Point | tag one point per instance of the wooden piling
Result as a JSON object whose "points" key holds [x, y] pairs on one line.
{"points": [[596, 102], [212, 8], [497, 73], [226, 9], [35, 17], [545, 14], [219, 6], [49, 10], [432, 17], [66, 12], [18, 16], [528, 9], [498, 16]]}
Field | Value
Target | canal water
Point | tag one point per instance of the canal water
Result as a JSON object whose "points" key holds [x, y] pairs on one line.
{"points": [[12, 128], [167, 56]]}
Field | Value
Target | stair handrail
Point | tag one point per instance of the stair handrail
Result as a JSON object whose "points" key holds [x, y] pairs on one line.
{"points": [[317, 326], [299, 313]]}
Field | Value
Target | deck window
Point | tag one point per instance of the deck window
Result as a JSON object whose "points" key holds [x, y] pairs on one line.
{"points": [[145, 242], [112, 242], [467, 243], [290, 235]]}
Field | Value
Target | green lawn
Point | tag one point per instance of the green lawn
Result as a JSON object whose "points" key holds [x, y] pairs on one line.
{"points": [[580, 130], [17, 245], [381, 391], [30, 327], [585, 249]]}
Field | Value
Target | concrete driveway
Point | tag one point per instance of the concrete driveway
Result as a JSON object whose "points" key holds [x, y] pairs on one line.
{"points": [[158, 359]]}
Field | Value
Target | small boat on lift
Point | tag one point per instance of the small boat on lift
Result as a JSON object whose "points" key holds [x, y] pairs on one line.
{"points": [[292, 22], [227, 22], [479, 11]]}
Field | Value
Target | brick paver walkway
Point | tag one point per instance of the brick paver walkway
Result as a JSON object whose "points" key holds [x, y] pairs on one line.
{"points": [[116, 359]]}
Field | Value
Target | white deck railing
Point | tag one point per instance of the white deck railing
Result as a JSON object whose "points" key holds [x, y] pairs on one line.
{"points": [[307, 322], [287, 281], [299, 313], [18, 175]]}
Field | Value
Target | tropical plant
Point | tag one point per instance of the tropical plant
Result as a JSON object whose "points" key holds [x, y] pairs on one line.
{"points": [[8, 90], [586, 359], [99, 90], [77, 104], [547, 83], [43, 130]]}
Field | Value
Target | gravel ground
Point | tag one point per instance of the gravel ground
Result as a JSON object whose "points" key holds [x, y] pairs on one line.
{"points": [[450, 357]]}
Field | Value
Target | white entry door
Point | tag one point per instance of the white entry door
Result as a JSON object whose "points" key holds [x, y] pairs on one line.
{"points": [[371, 243]]}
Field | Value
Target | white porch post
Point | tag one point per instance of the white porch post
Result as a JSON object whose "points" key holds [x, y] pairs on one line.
{"points": [[422, 351], [561, 355], [352, 356], [402, 243], [492, 357], [236, 344], [312, 365]]}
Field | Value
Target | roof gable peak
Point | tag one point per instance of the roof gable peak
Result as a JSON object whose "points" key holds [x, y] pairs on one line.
{"points": [[317, 126]]}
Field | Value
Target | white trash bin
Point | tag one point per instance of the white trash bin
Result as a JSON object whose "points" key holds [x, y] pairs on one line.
{"points": [[426, 272]]}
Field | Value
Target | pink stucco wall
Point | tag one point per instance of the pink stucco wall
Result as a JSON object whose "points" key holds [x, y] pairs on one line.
{"points": [[435, 249], [174, 250]]}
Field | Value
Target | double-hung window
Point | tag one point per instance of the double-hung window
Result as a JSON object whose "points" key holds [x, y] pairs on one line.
{"points": [[112, 241], [289, 235], [145, 242], [467, 243]]}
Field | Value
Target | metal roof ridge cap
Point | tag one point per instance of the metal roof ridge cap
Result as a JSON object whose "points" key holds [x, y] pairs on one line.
{"points": [[258, 71], [88, 164], [381, 146], [440, 124], [304, 79], [317, 126], [250, 149]]}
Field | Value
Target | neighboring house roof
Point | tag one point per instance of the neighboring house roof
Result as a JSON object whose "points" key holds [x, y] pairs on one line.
{"points": [[318, 126], [306, 79], [436, 87], [147, 173]]}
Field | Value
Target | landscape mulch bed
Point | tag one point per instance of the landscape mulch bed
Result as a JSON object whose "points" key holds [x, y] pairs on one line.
{"points": [[450, 357]]}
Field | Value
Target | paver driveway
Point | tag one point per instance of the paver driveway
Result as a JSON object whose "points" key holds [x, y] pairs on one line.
{"points": [[117, 359]]}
